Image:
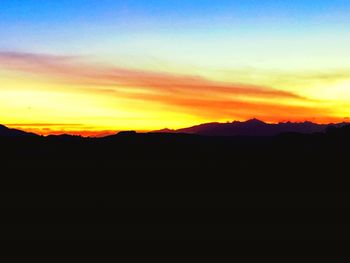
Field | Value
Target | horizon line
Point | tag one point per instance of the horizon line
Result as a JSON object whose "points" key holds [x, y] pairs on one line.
{"points": [[107, 132]]}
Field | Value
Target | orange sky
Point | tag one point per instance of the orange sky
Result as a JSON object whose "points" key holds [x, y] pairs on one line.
{"points": [[51, 94]]}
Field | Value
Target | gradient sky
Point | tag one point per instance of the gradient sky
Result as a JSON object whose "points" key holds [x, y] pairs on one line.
{"points": [[91, 66]]}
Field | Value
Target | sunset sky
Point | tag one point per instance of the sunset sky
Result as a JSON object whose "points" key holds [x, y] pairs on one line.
{"points": [[95, 66]]}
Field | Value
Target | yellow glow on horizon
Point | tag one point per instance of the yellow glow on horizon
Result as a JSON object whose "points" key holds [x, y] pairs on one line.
{"points": [[62, 103], [35, 103]]}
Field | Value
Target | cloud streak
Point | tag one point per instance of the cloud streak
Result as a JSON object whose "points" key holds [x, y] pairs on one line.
{"points": [[71, 69]]}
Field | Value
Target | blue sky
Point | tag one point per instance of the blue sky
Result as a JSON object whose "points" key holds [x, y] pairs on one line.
{"points": [[32, 13], [73, 25]]}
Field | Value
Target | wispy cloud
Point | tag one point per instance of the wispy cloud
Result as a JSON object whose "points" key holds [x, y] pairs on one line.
{"points": [[44, 124], [73, 69]]}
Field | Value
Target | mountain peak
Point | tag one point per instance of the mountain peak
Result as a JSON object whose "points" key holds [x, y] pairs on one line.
{"points": [[254, 121]]}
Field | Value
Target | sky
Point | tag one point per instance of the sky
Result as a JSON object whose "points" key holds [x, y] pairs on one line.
{"points": [[98, 66]]}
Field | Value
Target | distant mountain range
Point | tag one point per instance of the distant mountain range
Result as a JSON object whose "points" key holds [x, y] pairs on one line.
{"points": [[253, 127]]}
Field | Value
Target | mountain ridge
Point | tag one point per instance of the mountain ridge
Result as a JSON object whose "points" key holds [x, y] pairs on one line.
{"points": [[253, 127], [8, 132]]}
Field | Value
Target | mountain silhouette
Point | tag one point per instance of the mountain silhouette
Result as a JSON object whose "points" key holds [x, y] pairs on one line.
{"points": [[253, 127], [141, 163], [7, 132], [338, 131]]}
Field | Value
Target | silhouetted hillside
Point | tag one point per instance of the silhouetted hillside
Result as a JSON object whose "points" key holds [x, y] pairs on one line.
{"points": [[186, 160], [4, 131], [252, 127], [182, 148], [165, 162], [252, 184], [339, 132]]}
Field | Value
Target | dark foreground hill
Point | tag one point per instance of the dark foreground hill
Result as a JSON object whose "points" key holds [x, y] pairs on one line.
{"points": [[7, 132], [179, 161], [176, 187]]}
